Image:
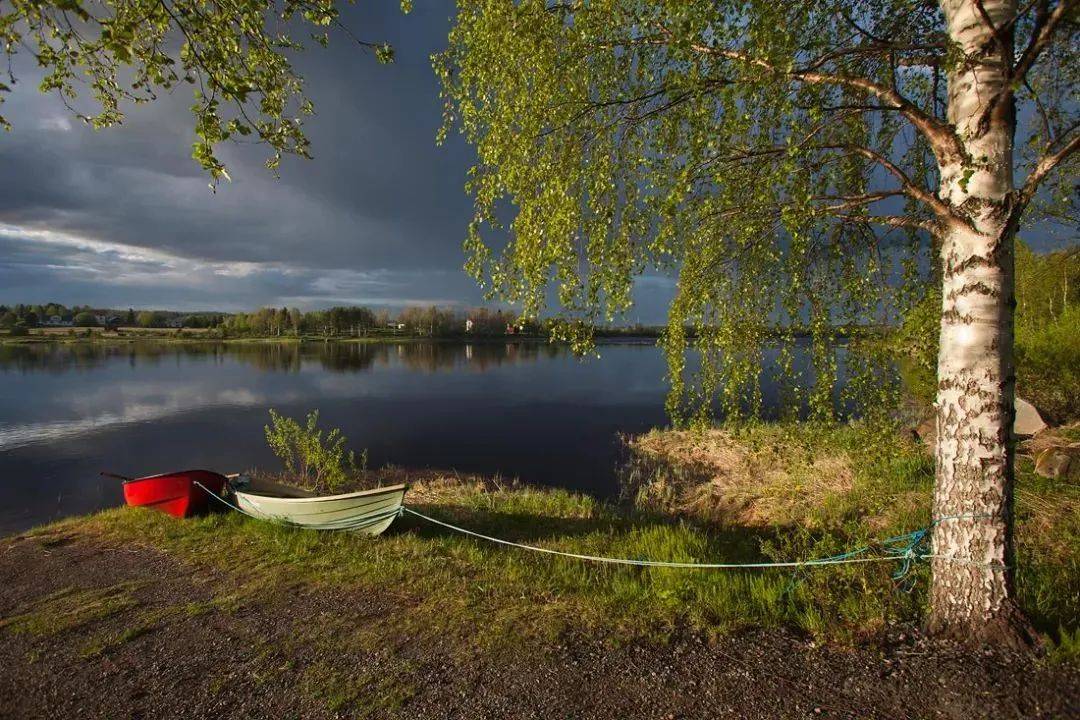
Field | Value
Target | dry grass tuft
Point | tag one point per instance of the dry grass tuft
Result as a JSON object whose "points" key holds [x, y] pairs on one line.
{"points": [[762, 480]]}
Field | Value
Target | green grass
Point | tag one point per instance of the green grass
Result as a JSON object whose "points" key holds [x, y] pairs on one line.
{"points": [[1048, 365], [824, 489], [71, 609], [143, 622], [453, 584], [481, 595]]}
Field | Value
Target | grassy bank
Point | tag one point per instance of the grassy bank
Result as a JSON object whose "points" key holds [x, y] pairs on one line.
{"points": [[810, 503], [823, 490]]}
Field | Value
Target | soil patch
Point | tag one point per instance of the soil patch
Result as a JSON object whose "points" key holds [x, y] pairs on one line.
{"points": [[97, 629]]}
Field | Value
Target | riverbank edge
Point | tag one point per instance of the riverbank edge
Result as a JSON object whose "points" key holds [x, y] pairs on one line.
{"points": [[130, 611], [777, 493]]}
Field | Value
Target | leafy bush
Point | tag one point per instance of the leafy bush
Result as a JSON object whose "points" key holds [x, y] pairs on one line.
{"points": [[1045, 285], [317, 462], [1047, 344]]}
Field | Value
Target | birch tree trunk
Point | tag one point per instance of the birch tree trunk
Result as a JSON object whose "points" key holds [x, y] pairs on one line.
{"points": [[972, 586]]}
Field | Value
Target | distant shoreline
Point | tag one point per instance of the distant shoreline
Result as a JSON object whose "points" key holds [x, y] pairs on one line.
{"points": [[193, 338], [40, 336]]}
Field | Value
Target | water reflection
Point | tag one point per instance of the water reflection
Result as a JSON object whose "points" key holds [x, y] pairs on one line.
{"points": [[280, 356], [527, 409]]}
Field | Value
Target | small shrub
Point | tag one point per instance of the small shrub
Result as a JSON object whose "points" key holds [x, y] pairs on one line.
{"points": [[318, 462]]}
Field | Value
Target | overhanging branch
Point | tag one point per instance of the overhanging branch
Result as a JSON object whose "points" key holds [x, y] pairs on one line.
{"points": [[896, 221], [1043, 168], [942, 139]]}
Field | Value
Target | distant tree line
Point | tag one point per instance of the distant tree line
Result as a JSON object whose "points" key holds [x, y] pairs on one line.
{"points": [[341, 321], [56, 314], [355, 321]]}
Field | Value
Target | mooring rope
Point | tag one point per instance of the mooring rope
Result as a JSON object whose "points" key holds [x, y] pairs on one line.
{"points": [[905, 549], [834, 560], [902, 548]]}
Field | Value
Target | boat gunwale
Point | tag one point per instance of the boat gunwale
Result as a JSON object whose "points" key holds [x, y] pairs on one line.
{"points": [[313, 511], [344, 496], [162, 476]]}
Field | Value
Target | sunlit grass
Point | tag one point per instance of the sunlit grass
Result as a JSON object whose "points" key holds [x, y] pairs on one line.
{"points": [[70, 609], [482, 593]]}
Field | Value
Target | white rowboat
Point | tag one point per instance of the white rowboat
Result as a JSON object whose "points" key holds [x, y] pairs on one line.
{"points": [[367, 511]]}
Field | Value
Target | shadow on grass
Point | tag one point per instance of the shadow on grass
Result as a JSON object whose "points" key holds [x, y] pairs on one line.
{"points": [[732, 544]]}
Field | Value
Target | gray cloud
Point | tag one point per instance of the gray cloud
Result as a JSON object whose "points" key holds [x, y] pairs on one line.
{"points": [[124, 216]]}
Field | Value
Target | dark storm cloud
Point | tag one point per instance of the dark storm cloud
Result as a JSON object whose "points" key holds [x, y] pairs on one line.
{"points": [[124, 216]]}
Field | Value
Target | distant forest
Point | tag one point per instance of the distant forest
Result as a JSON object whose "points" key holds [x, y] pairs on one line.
{"points": [[345, 321], [342, 321]]}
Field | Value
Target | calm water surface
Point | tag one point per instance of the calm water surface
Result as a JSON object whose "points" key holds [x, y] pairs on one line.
{"points": [[526, 410]]}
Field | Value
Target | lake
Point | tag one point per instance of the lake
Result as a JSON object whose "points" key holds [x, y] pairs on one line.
{"points": [[526, 409]]}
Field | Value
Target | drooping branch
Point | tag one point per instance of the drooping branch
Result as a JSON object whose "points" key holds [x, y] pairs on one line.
{"points": [[130, 50], [910, 188], [895, 221], [849, 202], [1043, 168]]}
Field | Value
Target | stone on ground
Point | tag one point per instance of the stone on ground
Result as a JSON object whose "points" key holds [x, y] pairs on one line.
{"points": [[1028, 421], [1059, 462]]}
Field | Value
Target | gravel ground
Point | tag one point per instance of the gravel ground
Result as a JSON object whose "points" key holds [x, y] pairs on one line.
{"points": [[190, 643]]}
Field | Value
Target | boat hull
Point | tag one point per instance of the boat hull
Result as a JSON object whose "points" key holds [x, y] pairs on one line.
{"points": [[369, 511], [179, 494]]}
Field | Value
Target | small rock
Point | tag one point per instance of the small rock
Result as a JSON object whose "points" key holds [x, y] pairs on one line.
{"points": [[1052, 464], [1028, 421], [1059, 462]]}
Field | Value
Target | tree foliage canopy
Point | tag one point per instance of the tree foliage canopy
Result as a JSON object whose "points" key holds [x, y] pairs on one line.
{"points": [[235, 53], [779, 159]]}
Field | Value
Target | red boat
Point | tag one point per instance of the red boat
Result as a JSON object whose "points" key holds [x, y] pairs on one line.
{"points": [[175, 493]]}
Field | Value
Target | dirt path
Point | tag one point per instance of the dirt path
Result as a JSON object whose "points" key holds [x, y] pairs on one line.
{"points": [[94, 630]]}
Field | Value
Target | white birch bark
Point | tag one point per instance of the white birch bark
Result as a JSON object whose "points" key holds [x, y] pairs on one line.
{"points": [[971, 589]]}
